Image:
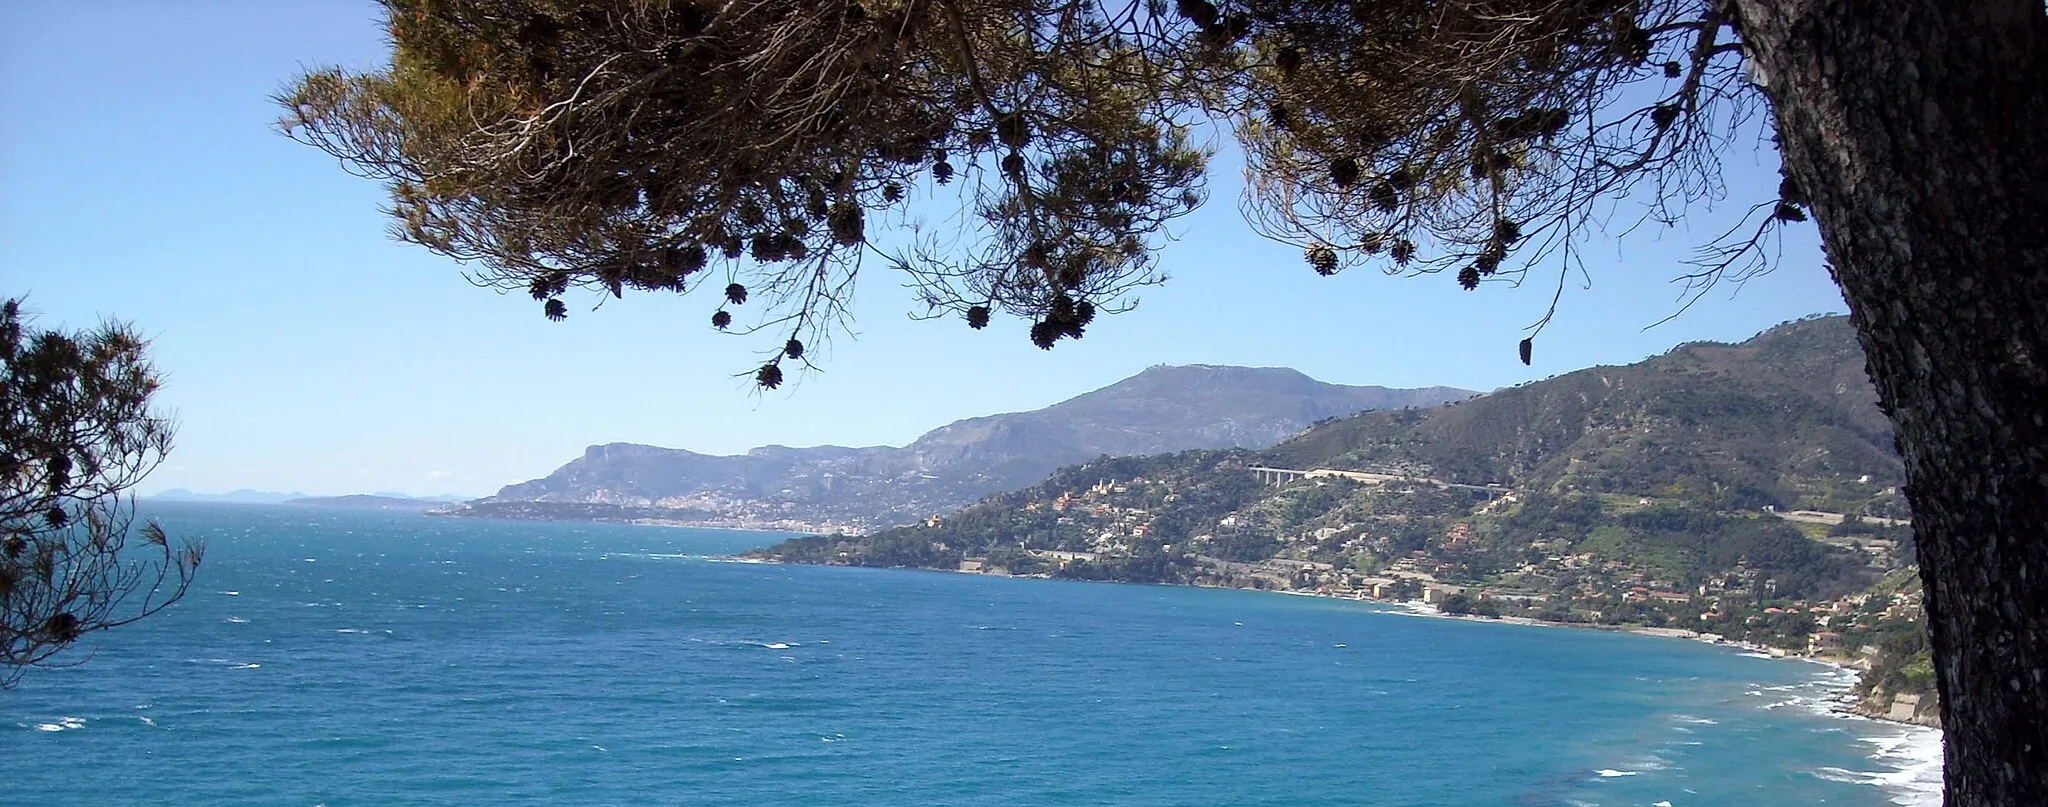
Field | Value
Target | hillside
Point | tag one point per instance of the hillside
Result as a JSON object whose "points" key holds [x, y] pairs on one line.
{"points": [[1161, 409], [1787, 419], [1649, 494]]}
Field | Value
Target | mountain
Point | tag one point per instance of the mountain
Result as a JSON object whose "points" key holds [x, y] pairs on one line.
{"points": [[1164, 408]]}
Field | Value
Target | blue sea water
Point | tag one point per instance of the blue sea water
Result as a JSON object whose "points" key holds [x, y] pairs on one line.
{"points": [[353, 658]]}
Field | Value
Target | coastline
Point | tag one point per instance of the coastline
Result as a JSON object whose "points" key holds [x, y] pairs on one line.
{"points": [[1840, 706], [1419, 608], [1913, 752]]}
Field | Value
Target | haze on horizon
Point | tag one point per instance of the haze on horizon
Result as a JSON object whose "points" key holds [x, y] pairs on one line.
{"points": [[305, 351]]}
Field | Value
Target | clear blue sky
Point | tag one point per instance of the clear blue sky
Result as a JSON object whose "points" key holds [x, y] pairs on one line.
{"points": [[140, 180]]}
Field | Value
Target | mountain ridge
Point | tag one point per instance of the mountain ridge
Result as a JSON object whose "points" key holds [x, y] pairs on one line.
{"points": [[1163, 408], [1780, 419]]}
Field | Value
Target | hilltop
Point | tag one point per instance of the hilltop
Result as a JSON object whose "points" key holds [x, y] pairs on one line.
{"points": [[1787, 419]]}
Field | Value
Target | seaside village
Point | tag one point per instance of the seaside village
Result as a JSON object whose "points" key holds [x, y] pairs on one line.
{"points": [[1551, 581]]}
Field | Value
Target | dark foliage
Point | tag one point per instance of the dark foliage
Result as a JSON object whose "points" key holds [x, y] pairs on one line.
{"points": [[76, 432]]}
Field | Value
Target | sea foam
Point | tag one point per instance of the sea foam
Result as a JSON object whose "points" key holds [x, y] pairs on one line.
{"points": [[64, 723]]}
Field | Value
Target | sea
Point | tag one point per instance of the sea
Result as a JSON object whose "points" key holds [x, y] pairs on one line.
{"points": [[340, 657]]}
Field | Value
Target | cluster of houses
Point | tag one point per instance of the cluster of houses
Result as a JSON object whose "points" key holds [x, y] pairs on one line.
{"points": [[1553, 581]]}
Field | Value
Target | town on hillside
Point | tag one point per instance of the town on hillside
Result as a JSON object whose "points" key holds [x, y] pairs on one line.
{"points": [[1833, 586]]}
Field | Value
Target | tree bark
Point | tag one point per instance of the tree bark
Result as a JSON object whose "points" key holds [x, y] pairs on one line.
{"points": [[1918, 130]]}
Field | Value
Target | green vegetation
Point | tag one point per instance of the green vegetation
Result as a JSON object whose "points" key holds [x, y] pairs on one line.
{"points": [[77, 431], [1785, 420]]}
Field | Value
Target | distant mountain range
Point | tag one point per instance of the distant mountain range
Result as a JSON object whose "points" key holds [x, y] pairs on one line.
{"points": [[1164, 408]]}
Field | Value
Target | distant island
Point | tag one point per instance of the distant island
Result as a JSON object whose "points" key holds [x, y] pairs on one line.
{"points": [[242, 496], [361, 501], [379, 501]]}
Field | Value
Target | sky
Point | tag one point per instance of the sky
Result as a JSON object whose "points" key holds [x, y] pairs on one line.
{"points": [[304, 350]]}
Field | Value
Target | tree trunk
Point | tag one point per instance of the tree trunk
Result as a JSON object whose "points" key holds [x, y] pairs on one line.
{"points": [[1918, 129]]}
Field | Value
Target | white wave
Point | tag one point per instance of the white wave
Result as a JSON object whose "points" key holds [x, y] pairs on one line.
{"points": [[1609, 773], [229, 593], [1664, 803], [1697, 721], [1847, 776], [1886, 745], [64, 723], [350, 630], [1756, 655], [146, 721], [228, 663], [775, 646], [1413, 608], [237, 620], [1914, 755]]}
